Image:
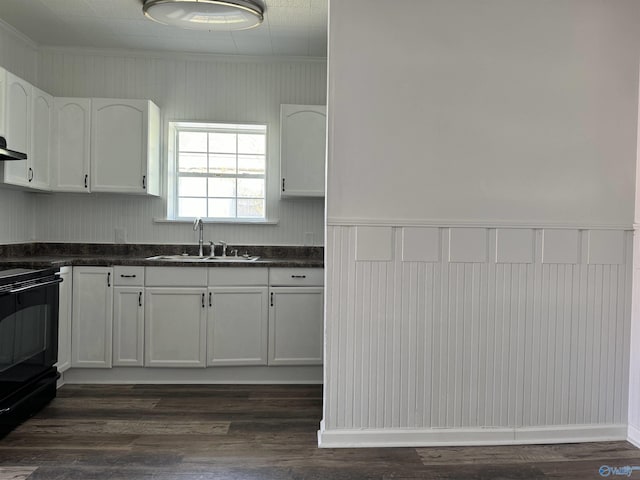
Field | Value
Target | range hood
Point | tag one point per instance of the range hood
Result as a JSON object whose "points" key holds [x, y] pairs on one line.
{"points": [[6, 154]]}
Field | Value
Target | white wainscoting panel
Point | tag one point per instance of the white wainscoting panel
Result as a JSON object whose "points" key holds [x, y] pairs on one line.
{"points": [[468, 245], [16, 216], [463, 345], [515, 245], [561, 246], [421, 244], [374, 244], [634, 362], [606, 247]]}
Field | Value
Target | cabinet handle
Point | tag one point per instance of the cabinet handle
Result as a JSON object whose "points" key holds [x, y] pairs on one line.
{"points": [[108, 279], [283, 184], [128, 276], [139, 299], [272, 299], [144, 182], [203, 300], [210, 302], [298, 276], [30, 174], [86, 181]]}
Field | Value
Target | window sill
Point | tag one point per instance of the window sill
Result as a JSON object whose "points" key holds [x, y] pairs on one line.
{"points": [[219, 222]]}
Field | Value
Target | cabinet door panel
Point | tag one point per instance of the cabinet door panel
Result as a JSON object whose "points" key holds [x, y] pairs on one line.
{"points": [[175, 327], [118, 145], [296, 326], [42, 111], [64, 319], [128, 326], [303, 149], [18, 128], [237, 326], [70, 158], [92, 317]]}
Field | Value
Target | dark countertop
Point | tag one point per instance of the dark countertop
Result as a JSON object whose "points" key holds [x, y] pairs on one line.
{"points": [[38, 255]]}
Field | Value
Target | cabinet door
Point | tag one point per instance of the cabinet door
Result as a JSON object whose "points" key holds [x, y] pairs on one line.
{"points": [[3, 102], [128, 326], [91, 324], [64, 319], [16, 172], [237, 326], [38, 163], [71, 140], [296, 325], [303, 138], [175, 327], [119, 144]]}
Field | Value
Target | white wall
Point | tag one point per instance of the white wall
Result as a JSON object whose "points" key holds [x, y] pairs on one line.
{"points": [[492, 110], [480, 200], [18, 55], [185, 87]]}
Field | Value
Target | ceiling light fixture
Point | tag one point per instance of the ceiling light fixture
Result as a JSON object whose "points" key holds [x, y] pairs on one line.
{"points": [[217, 15]]}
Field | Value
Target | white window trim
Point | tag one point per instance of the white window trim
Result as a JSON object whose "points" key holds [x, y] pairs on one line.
{"points": [[172, 187]]}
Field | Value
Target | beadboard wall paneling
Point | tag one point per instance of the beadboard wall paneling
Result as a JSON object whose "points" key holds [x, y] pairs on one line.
{"points": [[634, 363], [467, 345], [19, 56], [185, 88]]}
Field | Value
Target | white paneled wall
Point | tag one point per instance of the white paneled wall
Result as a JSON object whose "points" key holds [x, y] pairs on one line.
{"points": [[220, 89], [472, 331], [19, 56], [634, 364]]}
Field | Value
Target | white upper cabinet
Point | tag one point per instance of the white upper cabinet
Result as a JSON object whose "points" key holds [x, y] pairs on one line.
{"points": [[70, 157], [125, 144], [3, 102], [41, 136], [303, 138], [18, 128]]}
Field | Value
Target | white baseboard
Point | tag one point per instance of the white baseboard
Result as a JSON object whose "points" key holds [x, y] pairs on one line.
{"points": [[633, 435], [470, 436], [217, 375]]}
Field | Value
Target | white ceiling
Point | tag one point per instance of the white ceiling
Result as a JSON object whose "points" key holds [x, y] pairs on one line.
{"points": [[290, 28]]}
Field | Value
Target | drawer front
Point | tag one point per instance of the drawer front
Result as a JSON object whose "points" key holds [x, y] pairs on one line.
{"points": [[229, 276], [128, 276], [176, 277], [303, 277]]}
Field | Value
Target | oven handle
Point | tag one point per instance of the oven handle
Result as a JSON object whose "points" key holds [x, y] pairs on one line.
{"points": [[35, 285]]}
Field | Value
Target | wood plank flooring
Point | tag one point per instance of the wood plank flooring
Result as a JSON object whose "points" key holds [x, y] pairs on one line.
{"points": [[248, 432]]}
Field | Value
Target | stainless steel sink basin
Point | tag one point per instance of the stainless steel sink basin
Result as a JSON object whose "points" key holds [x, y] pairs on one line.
{"points": [[196, 258]]}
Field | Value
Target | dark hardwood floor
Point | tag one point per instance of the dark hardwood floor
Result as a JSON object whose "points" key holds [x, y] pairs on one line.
{"points": [[155, 432]]}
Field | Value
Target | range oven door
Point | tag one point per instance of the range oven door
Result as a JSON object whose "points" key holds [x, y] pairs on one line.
{"points": [[28, 347]]}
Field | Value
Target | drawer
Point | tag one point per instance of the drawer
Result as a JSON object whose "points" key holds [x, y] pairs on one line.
{"points": [[303, 277], [223, 276], [128, 276], [176, 276]]}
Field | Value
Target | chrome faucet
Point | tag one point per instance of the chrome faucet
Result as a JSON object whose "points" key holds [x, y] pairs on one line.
{"points": [[224, 248], [198, 224]]}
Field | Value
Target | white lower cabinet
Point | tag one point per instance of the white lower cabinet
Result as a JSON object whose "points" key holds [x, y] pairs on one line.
{"points": [[175, 327], [128, 317], [296, 325], [92, 318], [237, 326], [64, 319]]}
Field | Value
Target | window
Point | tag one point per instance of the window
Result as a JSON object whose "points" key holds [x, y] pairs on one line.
{"points": [[219, 171]]}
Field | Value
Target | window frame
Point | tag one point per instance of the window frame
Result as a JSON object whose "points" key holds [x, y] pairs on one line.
{"points": [[173, 175]]}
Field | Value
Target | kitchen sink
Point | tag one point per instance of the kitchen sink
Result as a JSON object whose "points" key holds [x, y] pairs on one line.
{"points": [[196, 258]]}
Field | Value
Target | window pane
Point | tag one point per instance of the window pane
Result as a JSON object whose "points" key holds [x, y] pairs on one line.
{"points": [[222, 142], [251, 144], [225, 164], [192, 207], [192, 141], [222, 187], [192, 187], [250, 208], [250, 187], [193, 163], [222, 208], [251, 164]]}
